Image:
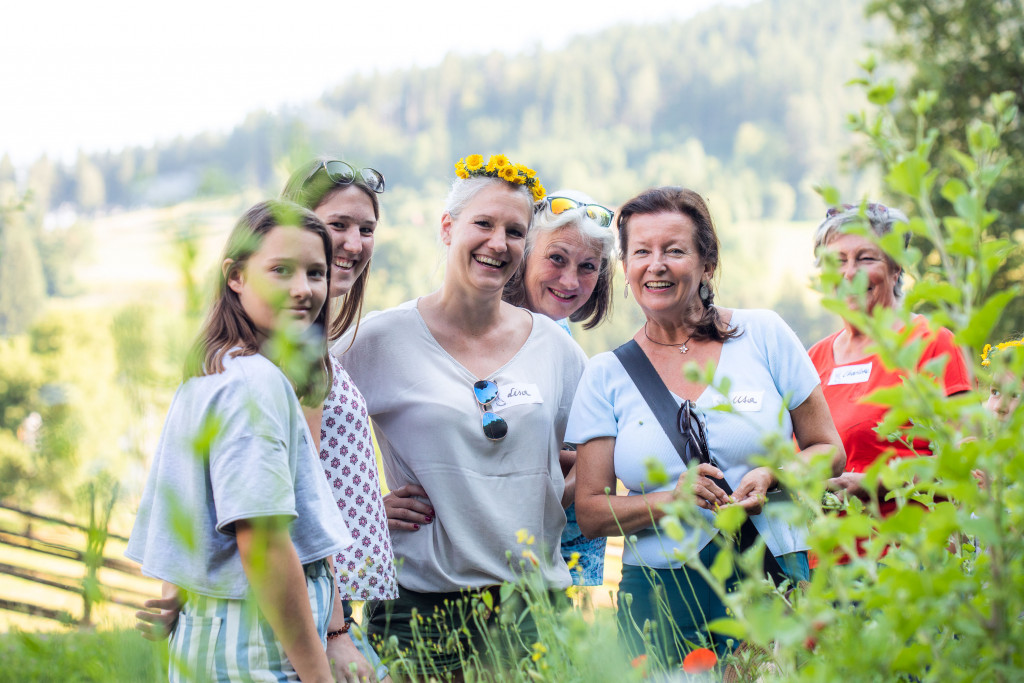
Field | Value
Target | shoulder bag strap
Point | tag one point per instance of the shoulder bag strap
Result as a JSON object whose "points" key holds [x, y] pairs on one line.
{"points": [[652, 388]]}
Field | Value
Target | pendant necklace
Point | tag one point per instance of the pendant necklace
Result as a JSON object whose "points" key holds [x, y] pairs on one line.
{"points": [[683, 348]]}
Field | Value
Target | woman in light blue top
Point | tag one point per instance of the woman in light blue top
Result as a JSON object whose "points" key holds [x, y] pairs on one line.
{"points": [[669, 252], [567, 275]]}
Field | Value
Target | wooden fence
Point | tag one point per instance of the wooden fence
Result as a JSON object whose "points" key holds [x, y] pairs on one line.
{"points": [[43, 567]]}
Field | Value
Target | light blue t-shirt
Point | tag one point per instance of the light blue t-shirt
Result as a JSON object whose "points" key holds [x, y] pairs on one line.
{"points": [[235, 446], [764, 365]]}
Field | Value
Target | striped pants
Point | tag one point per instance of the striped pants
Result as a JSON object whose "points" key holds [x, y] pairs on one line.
{"points": [[229, 640]]}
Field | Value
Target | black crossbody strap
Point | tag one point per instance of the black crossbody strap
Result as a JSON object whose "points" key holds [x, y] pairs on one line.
{"points": [[659, 400]]}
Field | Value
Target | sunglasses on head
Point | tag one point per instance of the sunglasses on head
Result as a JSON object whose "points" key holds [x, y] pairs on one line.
{"points": [[341, 173], [601, 215], [842, 208], [690, 423], [494, 425]]}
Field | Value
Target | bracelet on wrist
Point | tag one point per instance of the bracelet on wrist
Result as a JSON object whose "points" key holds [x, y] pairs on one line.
{"points": [[331, 635]]}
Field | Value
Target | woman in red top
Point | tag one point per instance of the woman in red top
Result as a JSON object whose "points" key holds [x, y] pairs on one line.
{"points": [[848, 371]]}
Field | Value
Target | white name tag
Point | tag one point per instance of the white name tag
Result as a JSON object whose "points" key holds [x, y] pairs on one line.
{"points": [[516, 395], [746, 401], [850, 374]]}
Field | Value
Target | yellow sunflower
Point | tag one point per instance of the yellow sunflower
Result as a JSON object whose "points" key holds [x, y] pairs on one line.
{"points": [[507, 173], [474, 162], [538, 192], [460, 170]]}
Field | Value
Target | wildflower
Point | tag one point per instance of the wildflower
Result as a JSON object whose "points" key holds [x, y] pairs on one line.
{"points": [[639, 662], [474, 162], [532, 557], [574, 560], [699, 661], [508, 173], [539, 649], [572, 592]]}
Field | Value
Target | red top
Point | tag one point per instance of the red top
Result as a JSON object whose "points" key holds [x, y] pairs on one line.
{"points": [[845, 386]]}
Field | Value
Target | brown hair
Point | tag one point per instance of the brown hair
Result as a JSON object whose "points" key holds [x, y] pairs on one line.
{"points": [[310, 186], [228, 326], [690, 204]]}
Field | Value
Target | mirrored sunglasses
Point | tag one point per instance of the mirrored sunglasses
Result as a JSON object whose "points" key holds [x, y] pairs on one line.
{"points": [[494, 425], [601, 215], [344, 174]]}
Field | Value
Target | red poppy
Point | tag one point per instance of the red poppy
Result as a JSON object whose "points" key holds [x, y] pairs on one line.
{"points": [[699, 661]]}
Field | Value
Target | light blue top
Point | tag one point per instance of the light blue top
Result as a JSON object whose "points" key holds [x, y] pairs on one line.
{"points": [[235, 446], [764, 365]]}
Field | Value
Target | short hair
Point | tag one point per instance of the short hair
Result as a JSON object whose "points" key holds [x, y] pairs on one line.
{"points": [[228, 326], [598, 306], [672, 199], [880, 218], [310, 186]]}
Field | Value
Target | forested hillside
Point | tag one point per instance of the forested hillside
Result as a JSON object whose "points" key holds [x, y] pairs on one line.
{"points": [[748, 103]]}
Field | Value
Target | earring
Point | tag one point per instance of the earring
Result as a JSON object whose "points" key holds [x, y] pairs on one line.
{"points": [[704, 292], [625, 291]]}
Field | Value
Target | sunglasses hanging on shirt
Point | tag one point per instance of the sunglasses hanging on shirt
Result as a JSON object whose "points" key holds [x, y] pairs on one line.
{"points": [[494, 425]]}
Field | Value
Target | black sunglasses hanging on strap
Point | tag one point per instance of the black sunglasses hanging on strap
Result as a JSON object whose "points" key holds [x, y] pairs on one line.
{"points": [[691, 447]]}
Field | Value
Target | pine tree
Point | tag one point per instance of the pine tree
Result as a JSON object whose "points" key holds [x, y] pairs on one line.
{"points": [[22, 286]]}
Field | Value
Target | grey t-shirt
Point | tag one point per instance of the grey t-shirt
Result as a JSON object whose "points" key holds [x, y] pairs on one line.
{"points": [[428, 427], [235, 446]]}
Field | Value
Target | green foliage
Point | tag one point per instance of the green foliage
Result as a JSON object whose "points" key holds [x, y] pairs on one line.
{"points": [[962, 56], [83, 657]]}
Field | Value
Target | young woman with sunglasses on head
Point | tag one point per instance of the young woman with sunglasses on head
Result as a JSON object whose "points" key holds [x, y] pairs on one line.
{"points": [[345, 199], [669, 252], [469, 396], [567, 275], [236, 512]]}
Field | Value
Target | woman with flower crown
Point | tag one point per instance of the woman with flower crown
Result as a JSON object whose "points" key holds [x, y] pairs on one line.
{"points": [[469, 397]]}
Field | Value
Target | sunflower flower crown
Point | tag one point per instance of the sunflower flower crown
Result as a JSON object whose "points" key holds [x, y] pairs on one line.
{"points": [[989, 351], [498, 166]]}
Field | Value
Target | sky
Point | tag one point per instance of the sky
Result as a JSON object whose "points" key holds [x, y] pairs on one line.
{"points": [[105, 74]]}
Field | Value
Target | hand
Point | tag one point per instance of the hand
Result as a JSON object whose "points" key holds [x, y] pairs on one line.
{"points": [[406, 513], [566, 459], [347, 662], [752, 491], [709, 495], [848, 484], [158, 624]]}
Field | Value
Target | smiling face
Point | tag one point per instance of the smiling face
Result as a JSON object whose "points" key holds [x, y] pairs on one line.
{"points": [[857, 253], [561, 272], [663, 266], [487, 239], [348, 214], [284, 282]]}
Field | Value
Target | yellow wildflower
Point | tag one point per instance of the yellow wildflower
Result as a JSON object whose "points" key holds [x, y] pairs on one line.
{"points": [[539, 650], [497, 162], [574, 560], [507, 173], [538, 192], [460, 169], [522, 535], [474, 162], [532, 557]]}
